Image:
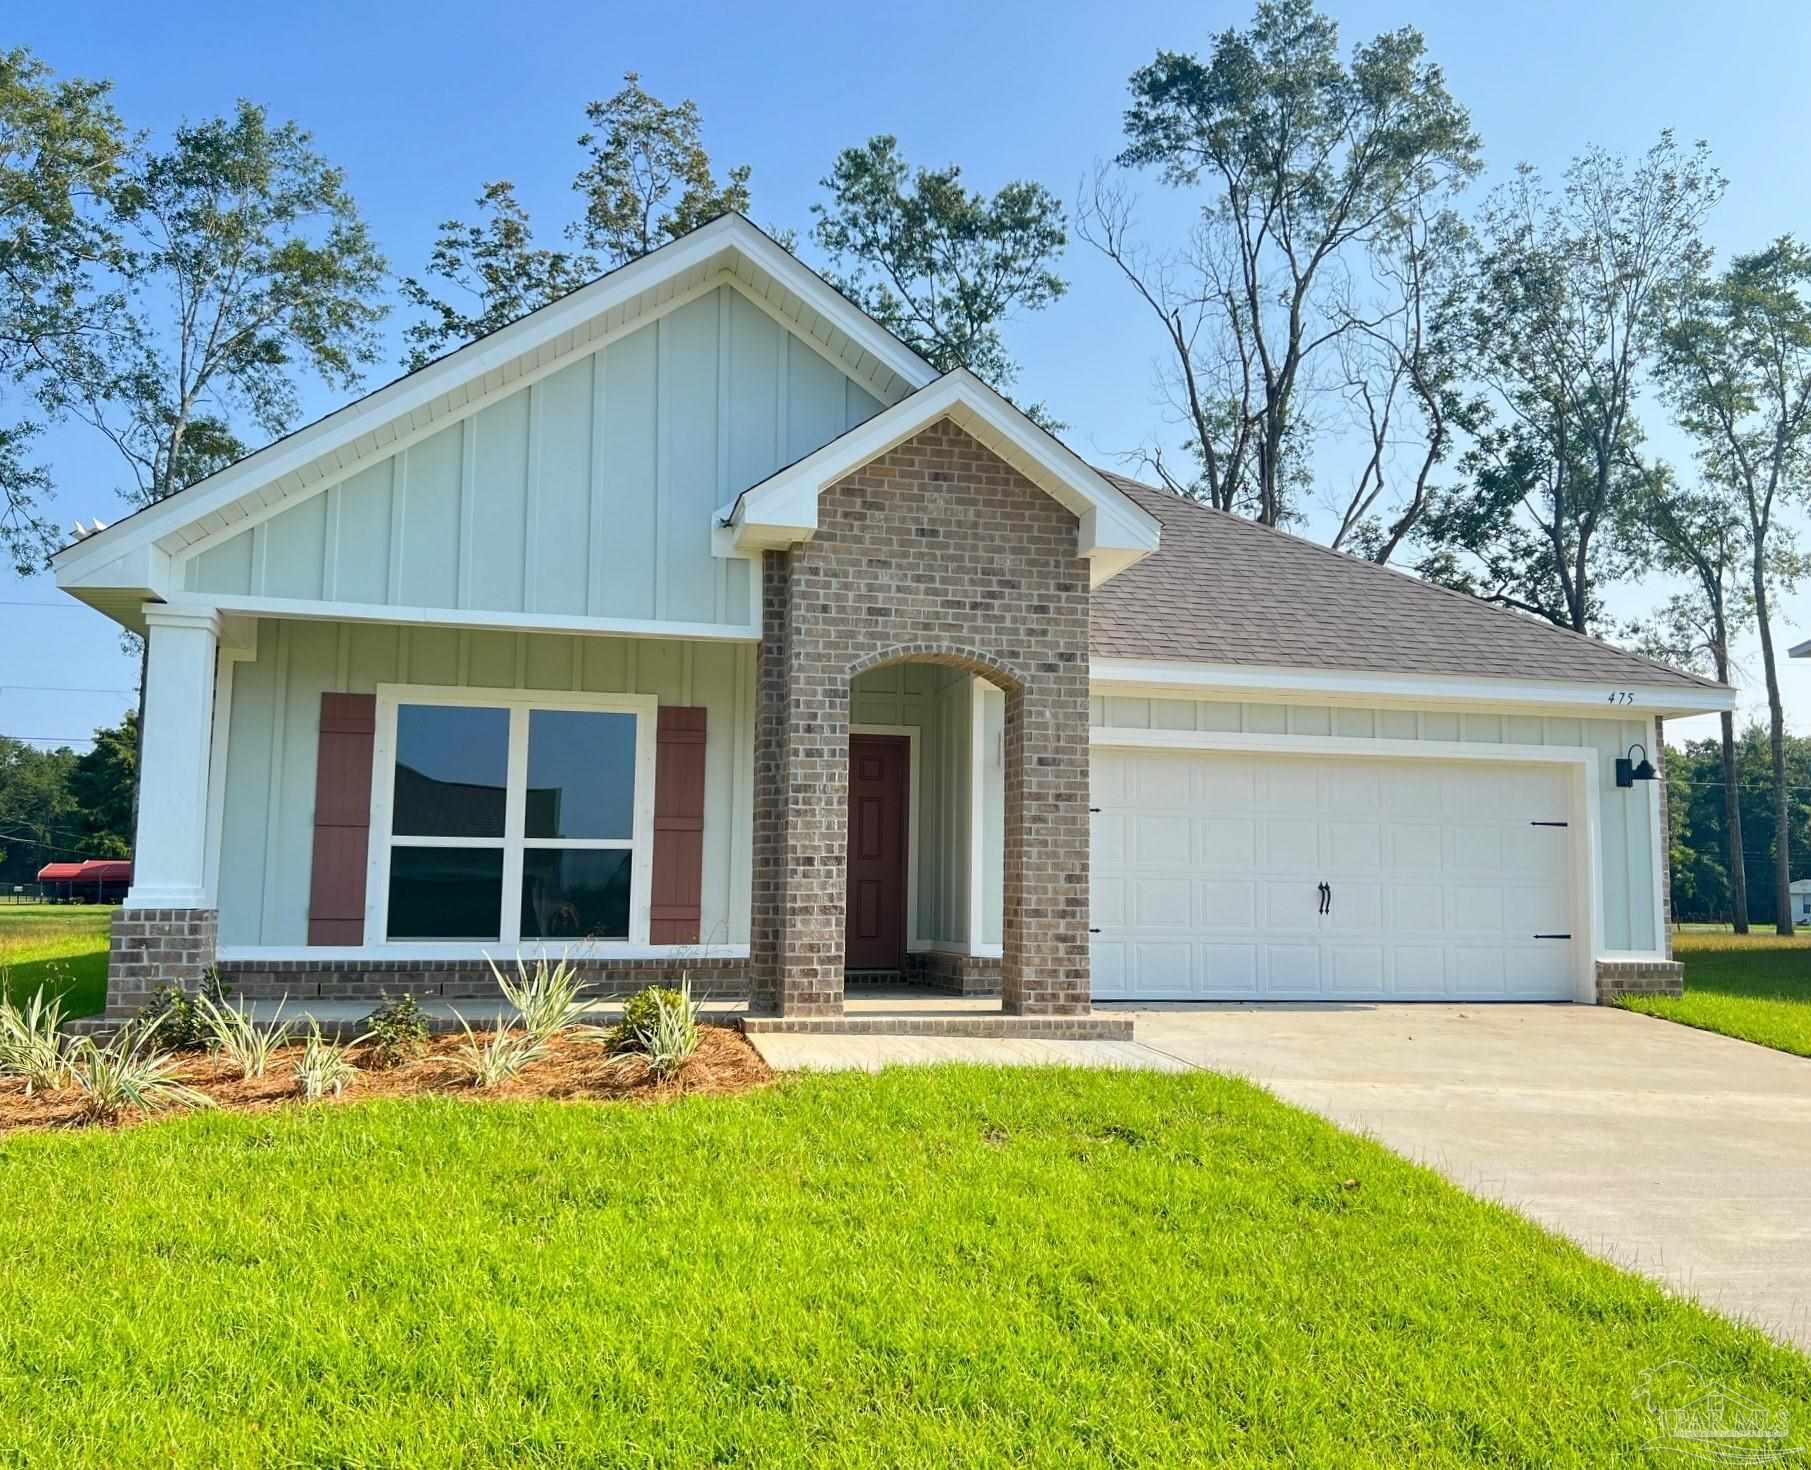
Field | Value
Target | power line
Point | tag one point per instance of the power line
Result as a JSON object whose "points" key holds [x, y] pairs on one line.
{"points": [[60, 689], [51, 739], [29, 602]]}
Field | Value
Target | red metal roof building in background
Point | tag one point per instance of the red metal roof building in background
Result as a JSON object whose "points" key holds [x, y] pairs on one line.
{"points": [[99, 880]]}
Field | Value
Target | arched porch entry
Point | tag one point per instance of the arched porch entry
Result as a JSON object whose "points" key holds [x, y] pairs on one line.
{"points": [[889, 780]]}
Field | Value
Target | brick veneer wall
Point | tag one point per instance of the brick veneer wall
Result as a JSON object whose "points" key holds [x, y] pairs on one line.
{"points": [[960, 974], [942, 552], [151, 948], [327, 979]]}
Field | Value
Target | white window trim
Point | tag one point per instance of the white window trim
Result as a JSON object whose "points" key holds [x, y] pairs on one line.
{"points": [[518, 702]]}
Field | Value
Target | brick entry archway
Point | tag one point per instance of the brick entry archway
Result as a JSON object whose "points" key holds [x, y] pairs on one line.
{"points": [[941, 552]]}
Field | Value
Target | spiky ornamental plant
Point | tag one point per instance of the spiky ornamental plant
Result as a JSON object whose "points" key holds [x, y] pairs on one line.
{"points": [[243, 1041], [128, 1073], [546, 996], [494, 1061], [324, 1068], [32, 1045]]}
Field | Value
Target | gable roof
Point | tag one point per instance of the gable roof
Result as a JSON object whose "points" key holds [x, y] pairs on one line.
{"points": [[1223, 590], [1114, 531], [118, 566]]}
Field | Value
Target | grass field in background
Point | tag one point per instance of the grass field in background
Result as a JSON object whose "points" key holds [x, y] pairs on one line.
{"points": [[933, 1266], [1753, 986], [62, 947]]}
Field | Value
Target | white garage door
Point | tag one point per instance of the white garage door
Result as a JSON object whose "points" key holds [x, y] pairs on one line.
{"points": [[1239, 877]]}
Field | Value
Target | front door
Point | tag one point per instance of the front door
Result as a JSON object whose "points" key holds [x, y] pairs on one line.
{"points": [[879, 781]]}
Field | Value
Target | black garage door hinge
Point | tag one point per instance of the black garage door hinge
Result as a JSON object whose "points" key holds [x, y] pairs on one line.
{"points": [[1553, 936], [1549, 824]]}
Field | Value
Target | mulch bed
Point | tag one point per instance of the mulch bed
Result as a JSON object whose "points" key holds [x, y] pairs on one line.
{"points": [[572, 1068]]}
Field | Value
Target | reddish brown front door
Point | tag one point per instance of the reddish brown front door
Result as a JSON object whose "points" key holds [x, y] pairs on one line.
{"points": [[879, 782]]}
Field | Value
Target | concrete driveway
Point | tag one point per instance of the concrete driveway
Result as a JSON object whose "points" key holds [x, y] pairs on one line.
{"points": [[1674, 1152]]}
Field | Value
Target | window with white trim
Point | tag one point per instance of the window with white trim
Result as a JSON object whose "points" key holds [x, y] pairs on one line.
{"points": [[510, 820]]}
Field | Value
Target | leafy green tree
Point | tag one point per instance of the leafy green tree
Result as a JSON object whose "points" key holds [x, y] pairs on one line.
{"points": [[60, 149], [940, 266], [1567, 308], [1737, 365], [497, 266], [36, 819], [1302, 160], [1699, 535], [1695, 805], [247, 264], [100, 784], [648, 179]]}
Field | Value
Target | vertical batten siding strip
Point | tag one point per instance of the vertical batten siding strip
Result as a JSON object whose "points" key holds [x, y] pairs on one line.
{"points": [[268, 890], [260, 551], [342, 662], [330, 545], [725, 364], [594, 540], [468, 507], [531, 501], [399, 490], [578, 662], [521, 675], [663, 426]]}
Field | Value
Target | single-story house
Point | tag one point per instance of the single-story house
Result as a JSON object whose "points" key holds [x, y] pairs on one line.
{"points": [[694, 622], [1800, 891]]}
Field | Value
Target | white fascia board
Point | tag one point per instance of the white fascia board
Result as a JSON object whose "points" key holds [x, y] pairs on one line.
{"points": [[141, 568], [783, 509], [1801, 650], [722, 239], [1178, 679]]}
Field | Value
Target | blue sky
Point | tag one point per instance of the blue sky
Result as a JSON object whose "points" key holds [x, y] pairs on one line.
{"points": [[421, 104]]}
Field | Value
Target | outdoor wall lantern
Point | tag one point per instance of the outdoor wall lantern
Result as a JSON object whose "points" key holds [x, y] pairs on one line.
{"points": [[1628, 772]]}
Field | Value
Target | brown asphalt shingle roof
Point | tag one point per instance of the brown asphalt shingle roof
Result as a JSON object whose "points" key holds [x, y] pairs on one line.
{"points": [[1221, 589]]}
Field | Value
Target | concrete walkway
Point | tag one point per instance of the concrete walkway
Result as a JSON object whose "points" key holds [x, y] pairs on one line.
{"points": [[1677, 1153]]}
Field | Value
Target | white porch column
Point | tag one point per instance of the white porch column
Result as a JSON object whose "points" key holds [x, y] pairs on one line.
{"points": [[169, 857]]}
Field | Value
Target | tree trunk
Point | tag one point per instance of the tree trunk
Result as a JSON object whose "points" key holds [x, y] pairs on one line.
{"points": [[1732, 827], [1776, 718]]}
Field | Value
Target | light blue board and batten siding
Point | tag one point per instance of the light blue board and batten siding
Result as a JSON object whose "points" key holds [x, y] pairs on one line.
{"points": [[588, 493], [1628, 856], [267, 826]]}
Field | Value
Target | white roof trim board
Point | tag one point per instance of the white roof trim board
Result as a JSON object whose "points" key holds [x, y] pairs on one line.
{"points": [[1114, 532], [1802, 650], [132, 556]]}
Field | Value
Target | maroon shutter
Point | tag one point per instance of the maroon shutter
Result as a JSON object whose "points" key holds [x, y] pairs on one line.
{"points": [[342, 819], [678, 879]]}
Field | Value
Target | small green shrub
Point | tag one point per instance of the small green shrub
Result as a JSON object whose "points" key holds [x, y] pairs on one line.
{"points": [[246, 1043], [324, 1067], [395, 1032], [546, 996], [128, 1073], [176, 1013], [659, 1023], [503, 1056], [32, 1044]]}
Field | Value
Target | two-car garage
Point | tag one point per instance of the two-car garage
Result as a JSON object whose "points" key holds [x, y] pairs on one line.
{"points": [[1229, 874]]}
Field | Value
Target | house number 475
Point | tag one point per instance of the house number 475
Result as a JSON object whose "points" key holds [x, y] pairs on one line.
{"points": [[1622, 696]]}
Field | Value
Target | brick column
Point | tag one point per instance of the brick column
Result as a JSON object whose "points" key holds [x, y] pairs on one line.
{"points": [[152, 948]]}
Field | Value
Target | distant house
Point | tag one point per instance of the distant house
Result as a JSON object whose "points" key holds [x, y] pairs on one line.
{"points": [[1801, 901], [696, 614]]}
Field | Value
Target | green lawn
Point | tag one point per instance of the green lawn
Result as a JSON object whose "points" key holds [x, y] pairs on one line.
{"points": [[62, 947], [947, 1267], [1755, 986]]}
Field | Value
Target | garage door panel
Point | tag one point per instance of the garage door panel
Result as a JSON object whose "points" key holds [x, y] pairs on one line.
{"points": [[1229, 971], [1160, 903], [1159, 841], [1226, 905], [1290, 845], [1353, 846], [1207, 870], [1226, 842], [1292, 969]]}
